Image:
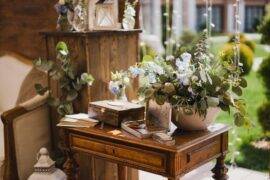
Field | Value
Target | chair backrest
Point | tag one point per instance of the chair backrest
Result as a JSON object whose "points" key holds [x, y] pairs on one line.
{"points": [[13, 70], [31, 132]]}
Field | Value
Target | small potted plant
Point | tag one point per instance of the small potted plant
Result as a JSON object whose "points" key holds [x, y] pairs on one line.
{"points": [[196, 86], [117, 86]]}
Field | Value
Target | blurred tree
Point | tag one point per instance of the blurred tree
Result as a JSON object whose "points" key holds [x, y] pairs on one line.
{"points": [[264, 28]]}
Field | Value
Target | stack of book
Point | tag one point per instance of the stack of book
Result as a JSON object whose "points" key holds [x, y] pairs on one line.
{"points": [[78, 121], [138, 129]]}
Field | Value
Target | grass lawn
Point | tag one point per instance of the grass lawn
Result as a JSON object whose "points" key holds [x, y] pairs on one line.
{"points": [[249, 157]]}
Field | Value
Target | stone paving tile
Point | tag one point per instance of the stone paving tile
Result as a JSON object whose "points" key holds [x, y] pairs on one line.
{"points": [[204, 173]]}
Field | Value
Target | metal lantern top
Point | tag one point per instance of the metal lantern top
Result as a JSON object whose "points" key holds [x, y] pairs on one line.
{"points": [[45, 163], [45, 169]]}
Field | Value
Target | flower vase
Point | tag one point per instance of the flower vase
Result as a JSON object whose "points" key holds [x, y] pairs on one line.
{"points": [[128, 23], [79, 21], [121, 96], [158, 114], [194, 121], [63, 23]]}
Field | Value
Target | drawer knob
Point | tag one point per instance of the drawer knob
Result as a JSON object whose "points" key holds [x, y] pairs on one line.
{"points": [[102, 110]]}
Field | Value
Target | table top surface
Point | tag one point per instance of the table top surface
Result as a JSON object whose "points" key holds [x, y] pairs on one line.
{"points": [[182, 141]]}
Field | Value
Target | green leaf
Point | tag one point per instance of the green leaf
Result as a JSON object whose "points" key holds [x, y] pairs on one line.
{"points": [[203, 104], [148, 93], [225, 87], [163, 78], [71, 74], [37, 62], [216, 81], [243, 83], [241, 106], [53, 101], [212, 101], [169, 88], [40, 89], [188, 111], [63, 82], [227, 99], [58, 75], [65, 109], [160, 99], [239, 119], [147, 58], [174, 100], [225, 107], [87, 79], [237, 90], [77, 85], [43, 64], [72, 95], [62, 48], [203, 93]]}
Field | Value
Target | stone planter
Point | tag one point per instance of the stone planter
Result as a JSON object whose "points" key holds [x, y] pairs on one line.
{"points": [[193, 122]]}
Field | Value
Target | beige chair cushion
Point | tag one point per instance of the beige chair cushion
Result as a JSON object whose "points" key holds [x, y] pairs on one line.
{"points": [[31, 132], [1, 168], [13, 70], [1, 148]]}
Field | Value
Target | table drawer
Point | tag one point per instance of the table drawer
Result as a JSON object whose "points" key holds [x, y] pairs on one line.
{"points": [[201, 153], [120, 152]]}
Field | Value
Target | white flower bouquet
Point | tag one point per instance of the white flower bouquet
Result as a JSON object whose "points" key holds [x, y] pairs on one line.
{"points": [[194, 83]]}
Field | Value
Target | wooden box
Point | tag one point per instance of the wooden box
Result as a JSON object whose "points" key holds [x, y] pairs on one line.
{"points": [[114, 115]]}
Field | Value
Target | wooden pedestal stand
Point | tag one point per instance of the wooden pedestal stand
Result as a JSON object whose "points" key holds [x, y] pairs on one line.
{"points": [[98, 53]]}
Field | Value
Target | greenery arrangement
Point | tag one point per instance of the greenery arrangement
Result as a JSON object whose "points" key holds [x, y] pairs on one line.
{"points": [[246, 56], [185, 43], [194, 82], [65, 73]]}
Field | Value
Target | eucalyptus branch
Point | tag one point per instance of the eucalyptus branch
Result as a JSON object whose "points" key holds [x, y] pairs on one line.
{"points": [[70, 82]]}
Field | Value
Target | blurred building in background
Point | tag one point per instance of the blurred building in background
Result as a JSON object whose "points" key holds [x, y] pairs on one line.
{"points": [[189, 15]]}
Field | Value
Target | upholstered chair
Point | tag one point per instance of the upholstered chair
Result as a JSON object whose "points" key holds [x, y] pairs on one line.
{"points": [[26, 124], [25, 128]]}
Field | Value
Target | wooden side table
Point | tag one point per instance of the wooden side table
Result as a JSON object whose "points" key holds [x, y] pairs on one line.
{"points": [[192, 149]]}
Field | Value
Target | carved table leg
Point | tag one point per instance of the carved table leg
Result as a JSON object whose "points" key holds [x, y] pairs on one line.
{"points": [[71, 167], [122, 172], [220, 170]]}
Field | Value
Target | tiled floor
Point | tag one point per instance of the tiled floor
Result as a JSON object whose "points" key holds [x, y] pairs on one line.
{"points": [[204, 173]]}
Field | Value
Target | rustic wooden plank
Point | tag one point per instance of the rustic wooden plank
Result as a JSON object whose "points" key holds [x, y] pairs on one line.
{"points": [[20, 23]]}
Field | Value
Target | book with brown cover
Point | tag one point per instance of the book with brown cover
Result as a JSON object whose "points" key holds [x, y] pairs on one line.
{"points": [[138, 129]]}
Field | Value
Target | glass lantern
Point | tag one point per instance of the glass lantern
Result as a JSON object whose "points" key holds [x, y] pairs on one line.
{"points": [[106, 14]]}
